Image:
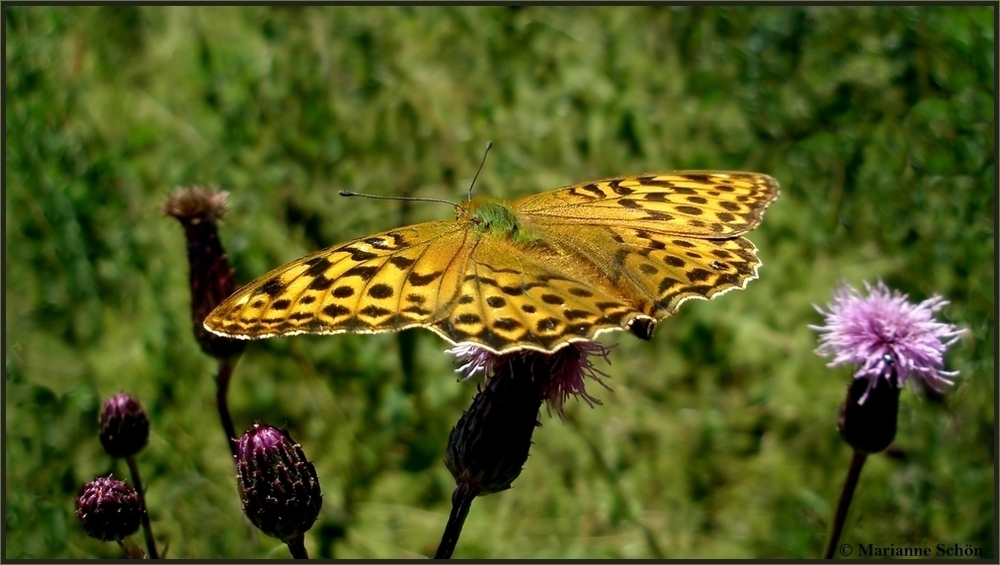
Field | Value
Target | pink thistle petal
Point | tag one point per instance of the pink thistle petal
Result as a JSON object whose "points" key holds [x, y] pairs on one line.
{"points": [[565, 371], [886, 335]]}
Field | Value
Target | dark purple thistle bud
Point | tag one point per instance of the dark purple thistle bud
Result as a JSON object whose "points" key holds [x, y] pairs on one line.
{"points": [[489, 445], [211, 279], [869, 427], [109, 509], [278, 485], [124, 426]]}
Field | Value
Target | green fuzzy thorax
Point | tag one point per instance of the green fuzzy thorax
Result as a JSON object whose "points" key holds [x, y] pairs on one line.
{"points": [[495, 216]]}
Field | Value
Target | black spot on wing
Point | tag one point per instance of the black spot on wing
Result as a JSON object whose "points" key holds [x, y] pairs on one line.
{"points": [[380, 291], [691, 210], [365, 272], [698, 275], [359, 255], [619, 189], [272, 288], [343, 292], [511, 290], [468, 319], [320, 283], [416, 279], [373, 311], [336, 310], [699, 178], [674, 261], [506, 324], [400, 262], [317, 266]]}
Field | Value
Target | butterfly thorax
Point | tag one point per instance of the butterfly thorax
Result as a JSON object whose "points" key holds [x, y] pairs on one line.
{"points": [[494, 216]]}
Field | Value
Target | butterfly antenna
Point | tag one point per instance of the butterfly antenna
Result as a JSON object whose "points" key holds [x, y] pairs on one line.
{"points": [[407, 198], [489, 145]]}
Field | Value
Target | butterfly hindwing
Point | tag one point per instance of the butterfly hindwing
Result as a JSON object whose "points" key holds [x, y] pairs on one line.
{"points": [[530, 296]]}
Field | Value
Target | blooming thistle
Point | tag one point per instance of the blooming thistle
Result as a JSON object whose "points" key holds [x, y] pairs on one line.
{"points": [[490, 442], [563, 373], [887, 337], [211, 279], [124, 426], [109, 509], [278, 485], [489, 445]]}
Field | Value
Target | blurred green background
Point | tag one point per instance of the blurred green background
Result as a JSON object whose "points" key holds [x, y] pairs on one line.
{"points": [[719, 439]]}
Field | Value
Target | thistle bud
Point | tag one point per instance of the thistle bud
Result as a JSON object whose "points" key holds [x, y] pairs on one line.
{"points": [[124, 426], [211, 280], [489, 445], [278, 485], [869, 427], [109, 509]]}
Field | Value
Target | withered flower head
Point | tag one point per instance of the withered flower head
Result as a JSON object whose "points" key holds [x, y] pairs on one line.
{"points": [[211, 279]]}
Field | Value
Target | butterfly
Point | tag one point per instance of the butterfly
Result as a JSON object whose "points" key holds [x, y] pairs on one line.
{"points": [[535, 273]]}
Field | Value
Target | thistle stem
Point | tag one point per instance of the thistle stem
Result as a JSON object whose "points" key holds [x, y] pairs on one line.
{"points": [[225, 374], [147, 530], [461, 502], [297, 546], [857, 462]]}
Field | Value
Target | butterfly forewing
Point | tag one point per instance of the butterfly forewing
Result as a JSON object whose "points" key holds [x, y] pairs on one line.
{"points": [[385, 282], [697, 203]]}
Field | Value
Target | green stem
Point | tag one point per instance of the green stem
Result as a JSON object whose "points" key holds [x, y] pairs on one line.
{"points": [[857, 462], [147, 530]]}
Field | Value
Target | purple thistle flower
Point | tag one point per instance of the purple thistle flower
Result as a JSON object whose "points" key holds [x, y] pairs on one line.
{"points": [[887, 336], [568, 369]]}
